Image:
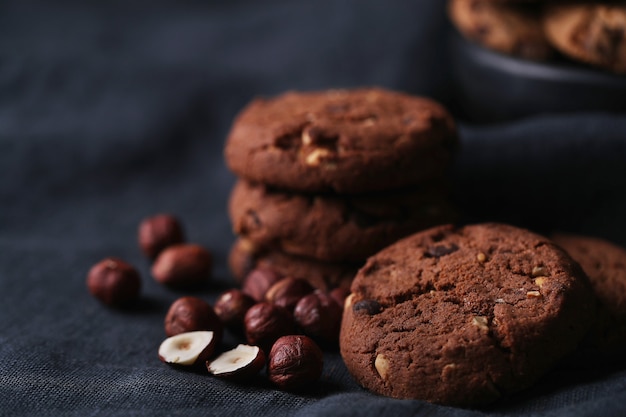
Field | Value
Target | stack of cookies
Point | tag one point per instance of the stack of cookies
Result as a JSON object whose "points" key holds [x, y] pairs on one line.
{"points": [[584, 32], [327, 179]]}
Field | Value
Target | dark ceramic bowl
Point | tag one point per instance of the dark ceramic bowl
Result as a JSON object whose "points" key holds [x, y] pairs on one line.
{"points": [[493, 87]]}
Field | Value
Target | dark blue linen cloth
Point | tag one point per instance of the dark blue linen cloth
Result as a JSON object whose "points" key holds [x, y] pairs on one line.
{"points": [[113, 111]]}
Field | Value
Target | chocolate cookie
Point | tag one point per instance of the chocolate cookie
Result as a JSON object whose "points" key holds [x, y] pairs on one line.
{"points": [[348, 141], [463, 316], [589, 32], [507, 28], [245, 256], [331, 227], [605, 264]]}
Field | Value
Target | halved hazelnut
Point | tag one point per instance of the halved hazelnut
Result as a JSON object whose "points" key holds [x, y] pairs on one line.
{"points": [[241, 362], [191, 348]]}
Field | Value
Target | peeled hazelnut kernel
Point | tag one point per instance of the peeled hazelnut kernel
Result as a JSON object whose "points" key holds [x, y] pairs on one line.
{"points": [[265, 322], [287, 292], [258, 281], [188, 314], [231, 307], [188, 349], [114, 282], [381, 363], [540, 281], [539, 271], [239, 363], [183, 266], [158, 232], [481, 257], [319, 316], [294, 362], [339, 294], [533, 294]]}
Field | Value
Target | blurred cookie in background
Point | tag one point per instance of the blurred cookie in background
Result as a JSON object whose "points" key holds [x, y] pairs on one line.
{"points": [[513, 29], [605, 265], [593, 33]]}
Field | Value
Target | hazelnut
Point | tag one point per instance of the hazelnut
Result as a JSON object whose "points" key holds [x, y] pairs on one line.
{"points": [[158, 232], [188, 349], [183, 266], [231, 307], [287, 292], [265, 322], [239, 363], [188, 314], [258, 281], [339, 294], [319, 316], [114, 282], [294, 362]]}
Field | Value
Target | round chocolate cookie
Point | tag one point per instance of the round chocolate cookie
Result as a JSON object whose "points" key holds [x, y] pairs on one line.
{"points": [[507, 28], [589, 32], [463, 316], [245, 256], [331, 227], [605, 265], [348, 141]]}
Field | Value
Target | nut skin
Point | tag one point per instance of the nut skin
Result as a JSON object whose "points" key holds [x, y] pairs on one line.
{"points": [[157, 232], [339, 294], [265, 322], [294, 362], [287, 292], [183, 266], [259, 281], [114, 282], [319, 316], [231, 307], [188, 314]]}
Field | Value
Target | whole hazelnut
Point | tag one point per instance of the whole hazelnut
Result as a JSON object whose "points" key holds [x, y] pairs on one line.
{"points": [[114, 282], [339, 294], [158, 232], [287, 292], [188, 314], [319, 316], [258, 281], [265, 322], [294, 362], [231, 307], [183, 266]]}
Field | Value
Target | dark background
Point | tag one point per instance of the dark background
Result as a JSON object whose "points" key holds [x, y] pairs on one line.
{"points": [[113, 111]]}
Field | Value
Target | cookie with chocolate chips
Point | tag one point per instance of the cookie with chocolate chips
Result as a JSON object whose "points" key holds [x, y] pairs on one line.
{"points": [[245, 256], [594, 33], [463, 316], [605, 265], [513, 29], [335, 228], [347, 141]]}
